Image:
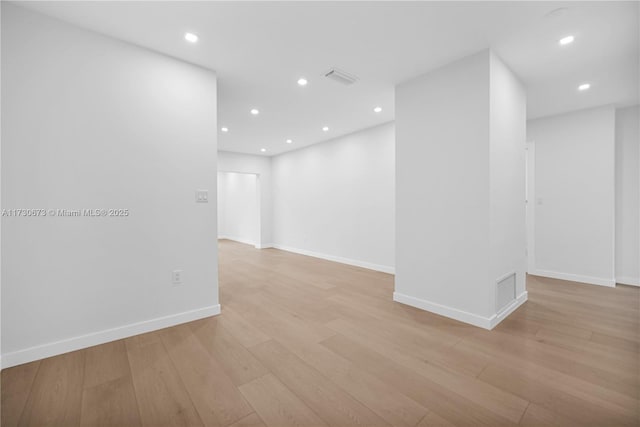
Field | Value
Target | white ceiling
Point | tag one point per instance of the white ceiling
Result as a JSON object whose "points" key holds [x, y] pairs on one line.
{"points": [[259, 50]]}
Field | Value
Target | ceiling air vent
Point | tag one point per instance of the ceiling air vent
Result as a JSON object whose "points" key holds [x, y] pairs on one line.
{"points": [[341, 77]]}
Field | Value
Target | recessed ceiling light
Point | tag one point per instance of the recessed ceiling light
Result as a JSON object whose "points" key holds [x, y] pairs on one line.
{"points": [[302, 81], [289, 141], [255, 112], [190, 37], [325, 129], [377, 109], [263, 149], [224, 129], [584, 86], [566, 40]]}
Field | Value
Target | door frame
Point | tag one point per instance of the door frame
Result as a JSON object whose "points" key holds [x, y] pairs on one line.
{"points": [[530, 204]]}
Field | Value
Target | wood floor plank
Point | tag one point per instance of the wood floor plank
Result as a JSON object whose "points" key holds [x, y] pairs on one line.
{"points": [[56, 393], [305, 342], [16, 385], [110, 404], [436, 348], [564, 398], [246, 333], [434, 420], [105, 363], [211, 389], [334, 405], [494, 399], [252, 420], [161, 396], [615, 342], [237, 361], [553, 362], [537, 416], [269, 319], [391, 405], [442, 400], [627, 360], [277, 406]]}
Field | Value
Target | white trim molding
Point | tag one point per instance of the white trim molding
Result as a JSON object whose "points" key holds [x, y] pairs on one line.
{"points": [[264, 245], [95, 338], [600, 281], [348, 261], [462, 316], [239, 240], [499, 317], [624, 280], [247, 242]]}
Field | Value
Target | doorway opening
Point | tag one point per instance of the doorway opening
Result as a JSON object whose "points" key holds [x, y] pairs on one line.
{"points": [[239, 207]]}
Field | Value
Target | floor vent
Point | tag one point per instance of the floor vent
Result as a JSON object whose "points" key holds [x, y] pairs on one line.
{"points": [[505, 292]]}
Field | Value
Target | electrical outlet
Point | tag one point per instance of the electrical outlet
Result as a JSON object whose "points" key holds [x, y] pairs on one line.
{"points": [[176, 277], [202, 196]]}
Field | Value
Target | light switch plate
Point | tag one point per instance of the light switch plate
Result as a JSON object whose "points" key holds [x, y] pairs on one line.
{"points": [[202, 196]]}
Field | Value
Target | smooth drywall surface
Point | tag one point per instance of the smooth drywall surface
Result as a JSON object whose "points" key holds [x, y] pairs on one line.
{"points": [[508, 120], [238, 215], [442, 187], [460, 191], [575, 195], [335, 199], [627, 196], [261, 166], [1, 206], [93, 123]]}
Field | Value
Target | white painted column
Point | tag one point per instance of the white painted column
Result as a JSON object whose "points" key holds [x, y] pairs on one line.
{"points": [[460, 190]]}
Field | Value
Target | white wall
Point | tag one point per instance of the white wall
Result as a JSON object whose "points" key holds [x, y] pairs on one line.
{"points": [[90, 122], [261, 166], [238, 215], [1, 206], [627, 196], [575, 195], [508, 129], [460, 188], [335, 200]]}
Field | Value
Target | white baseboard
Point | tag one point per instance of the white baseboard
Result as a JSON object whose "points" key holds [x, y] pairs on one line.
{"points": [[462, 316], [575, 278], [497, 318], [89, 340], [239, 240], [625, 280], [443, 310], [247, 242], [348, 261]]}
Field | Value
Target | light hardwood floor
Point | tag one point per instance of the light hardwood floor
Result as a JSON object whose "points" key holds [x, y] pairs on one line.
{"points": [[307, 342]]}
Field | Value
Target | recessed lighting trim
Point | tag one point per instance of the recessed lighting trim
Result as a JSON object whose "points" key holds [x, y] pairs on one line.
{"points": [[584, 86], [377, 109], [191, 38], [255, 111], [263, 150], [325, 128], [302, 81], [566, 40], [224, 129], [289, 141]]}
